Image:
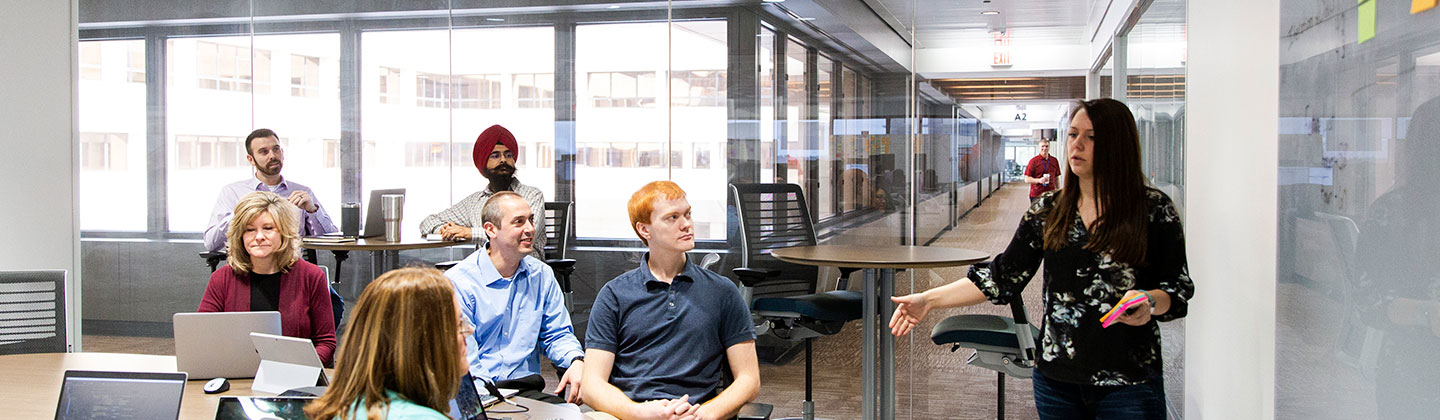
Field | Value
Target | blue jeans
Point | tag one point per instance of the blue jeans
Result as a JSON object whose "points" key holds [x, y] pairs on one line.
{"points": [[1056, 400]]}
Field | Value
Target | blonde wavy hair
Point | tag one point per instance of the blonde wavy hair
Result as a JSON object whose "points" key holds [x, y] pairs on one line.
{"points": [[287, 222], [403, 337]]}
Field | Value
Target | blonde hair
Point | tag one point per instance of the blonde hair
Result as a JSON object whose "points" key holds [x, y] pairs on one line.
{"points": [[402, 338], [287, 222]]}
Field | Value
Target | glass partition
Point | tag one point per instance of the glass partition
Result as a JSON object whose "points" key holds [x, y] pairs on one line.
{"points": [[1356, 295]]}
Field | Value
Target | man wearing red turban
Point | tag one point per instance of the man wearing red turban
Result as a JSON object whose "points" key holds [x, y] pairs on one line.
{"points": [[494, 154]]}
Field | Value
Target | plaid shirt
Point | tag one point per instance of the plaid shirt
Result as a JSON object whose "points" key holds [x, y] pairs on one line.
{"points": [[467, 213]]}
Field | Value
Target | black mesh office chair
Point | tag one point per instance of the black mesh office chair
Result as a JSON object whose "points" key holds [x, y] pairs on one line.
{"points": [[781, 294], [1004, 345], [558, 231], [337, 304]]}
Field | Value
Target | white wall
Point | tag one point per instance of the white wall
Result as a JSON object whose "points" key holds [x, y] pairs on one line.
{"points": [[37, 109], [1231, 173]]}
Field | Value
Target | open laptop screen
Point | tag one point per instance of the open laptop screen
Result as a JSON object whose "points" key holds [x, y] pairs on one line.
{"points": [[120, 395], [271, 408]]}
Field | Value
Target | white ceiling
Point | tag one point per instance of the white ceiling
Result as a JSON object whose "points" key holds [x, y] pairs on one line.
{"points": [[939, 22]]}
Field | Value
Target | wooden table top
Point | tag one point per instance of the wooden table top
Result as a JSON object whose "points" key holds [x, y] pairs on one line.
{"points": [[896, 256], [30, 385], [379, 244]]}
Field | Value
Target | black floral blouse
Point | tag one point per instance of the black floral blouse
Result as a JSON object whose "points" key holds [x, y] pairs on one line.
{"points": [[1081, 286]]}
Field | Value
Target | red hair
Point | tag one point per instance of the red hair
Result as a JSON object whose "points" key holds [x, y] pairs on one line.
{"points": [[642, 203]]}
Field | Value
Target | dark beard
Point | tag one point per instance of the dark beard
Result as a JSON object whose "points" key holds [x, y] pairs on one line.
{"points": [[500, 178]]}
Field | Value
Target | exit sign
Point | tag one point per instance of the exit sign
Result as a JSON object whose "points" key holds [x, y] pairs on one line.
{"points": [[1002, 49]]}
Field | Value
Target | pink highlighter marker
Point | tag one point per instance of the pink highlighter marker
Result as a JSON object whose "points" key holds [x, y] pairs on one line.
{"points": [[1115, 312]]}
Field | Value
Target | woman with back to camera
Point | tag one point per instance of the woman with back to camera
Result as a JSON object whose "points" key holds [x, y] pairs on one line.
{"points": [[264, 273], [1105, 238], [404, 351]]}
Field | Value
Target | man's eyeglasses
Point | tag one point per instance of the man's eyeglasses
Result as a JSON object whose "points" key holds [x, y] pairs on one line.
{"points": [[507, 154], [466, 329]]}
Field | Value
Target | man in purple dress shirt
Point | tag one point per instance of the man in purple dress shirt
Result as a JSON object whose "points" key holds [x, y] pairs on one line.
{"points": [[262, 149]]}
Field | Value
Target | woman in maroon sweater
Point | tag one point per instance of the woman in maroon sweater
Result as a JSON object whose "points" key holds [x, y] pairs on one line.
{"points": [[264, 273]]}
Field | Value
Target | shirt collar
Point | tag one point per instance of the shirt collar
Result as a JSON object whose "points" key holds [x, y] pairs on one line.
{"points": [[686, 274], [257, 185], [514, 185], [488, 274]]}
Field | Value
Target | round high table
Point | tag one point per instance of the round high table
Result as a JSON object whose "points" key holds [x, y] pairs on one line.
{"points": [[384, 255], [879, 264]]}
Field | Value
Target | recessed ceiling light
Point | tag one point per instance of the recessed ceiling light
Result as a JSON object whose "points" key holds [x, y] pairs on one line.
{"points": [[990, 12], [613, 6], [773, 1], [494, 20], [804, 19]]}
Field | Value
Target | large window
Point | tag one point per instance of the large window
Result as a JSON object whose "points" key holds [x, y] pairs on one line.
{"points": [[624, 135], [304, 76], [112, 150], [797, 127], [622, 89], [457, 95], [225, 65], [830, 167], [535, 90]]}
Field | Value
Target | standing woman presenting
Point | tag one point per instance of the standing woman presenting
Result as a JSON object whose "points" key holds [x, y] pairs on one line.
{"points": [[1105, 238]]}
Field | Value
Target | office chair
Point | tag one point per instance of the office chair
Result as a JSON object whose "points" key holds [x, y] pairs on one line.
{"points": [[337, 304], [35, 306], [1004, 345], [781, 294], [558, 231]]}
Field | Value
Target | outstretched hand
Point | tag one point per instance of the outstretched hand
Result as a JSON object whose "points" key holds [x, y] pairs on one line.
{"points": [[909, 310]]}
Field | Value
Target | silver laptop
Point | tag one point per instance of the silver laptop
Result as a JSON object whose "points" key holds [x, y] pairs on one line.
{"points": [[374, 221], [217, 344], [89, 395]]}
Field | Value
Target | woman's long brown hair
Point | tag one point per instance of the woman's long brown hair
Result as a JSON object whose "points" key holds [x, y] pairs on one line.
{"points": [[1120, 188], [403, 338]]}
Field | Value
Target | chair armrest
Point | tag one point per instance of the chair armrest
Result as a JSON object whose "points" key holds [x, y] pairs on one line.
{"points": [[755, 411], [563, 269], [753, 276]]}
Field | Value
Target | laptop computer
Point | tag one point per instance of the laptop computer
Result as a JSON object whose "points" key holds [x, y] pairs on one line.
{"points": [[88, 395], [374, 221], [286, 363], [217, 344]]}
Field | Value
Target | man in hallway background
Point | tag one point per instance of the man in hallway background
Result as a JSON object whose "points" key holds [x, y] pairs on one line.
{"points": [[1043, 172], [262, 149]]}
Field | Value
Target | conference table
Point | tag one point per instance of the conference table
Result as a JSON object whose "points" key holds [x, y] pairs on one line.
{"points": [[879, 264], [30, 386]]}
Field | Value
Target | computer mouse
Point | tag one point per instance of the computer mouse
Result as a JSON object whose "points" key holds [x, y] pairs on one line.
{"points": [[217, 385]]}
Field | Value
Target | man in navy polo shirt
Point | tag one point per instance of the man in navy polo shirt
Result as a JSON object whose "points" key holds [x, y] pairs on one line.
{"points": [[659, 334]]}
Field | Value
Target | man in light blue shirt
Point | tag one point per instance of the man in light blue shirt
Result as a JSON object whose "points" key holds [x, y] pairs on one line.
{"points": [[262, 150], [515, 303]]}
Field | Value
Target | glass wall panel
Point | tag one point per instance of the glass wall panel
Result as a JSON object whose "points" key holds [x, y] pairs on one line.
{"points": [[771, 166], [512, 92], [798, 127], [212, 86], [406, 141], [827, 153], [112, 136], [1358, 323], [303, 108], [622, 108]]}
